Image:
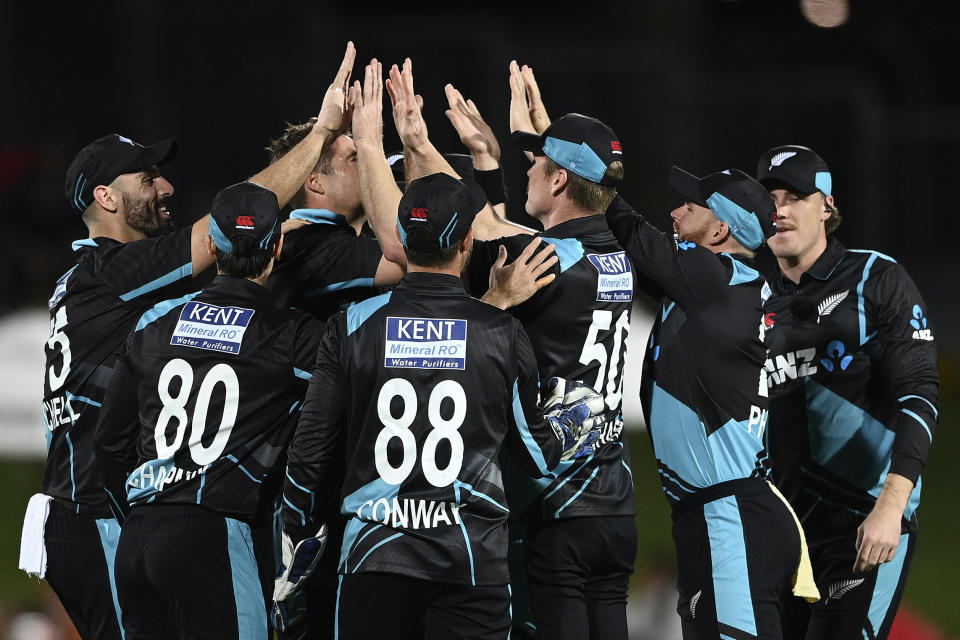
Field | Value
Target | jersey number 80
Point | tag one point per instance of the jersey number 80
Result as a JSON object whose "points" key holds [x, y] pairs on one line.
{"points": [[442, 429]]}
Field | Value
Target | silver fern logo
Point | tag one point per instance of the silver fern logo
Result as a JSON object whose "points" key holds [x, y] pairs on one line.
{"points": [[778, 159], [693, 603], [830, 303], [840, 588]]}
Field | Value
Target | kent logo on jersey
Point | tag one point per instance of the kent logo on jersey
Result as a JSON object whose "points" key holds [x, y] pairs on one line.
{"points": [[426, 343], [615, 281], [207, 326]]}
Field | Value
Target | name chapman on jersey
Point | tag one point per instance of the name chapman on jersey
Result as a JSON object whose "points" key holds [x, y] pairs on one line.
{"points": [[426, 343], [211, 327]]}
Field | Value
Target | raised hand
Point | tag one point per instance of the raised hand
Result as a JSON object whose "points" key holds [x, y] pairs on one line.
{"points": [[368, 105], [474, 132], [407, 106], [527, 112], [334, 116]]}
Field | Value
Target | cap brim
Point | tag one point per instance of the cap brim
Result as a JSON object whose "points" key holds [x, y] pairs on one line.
{"points": [[687, 185], [776, 182], [527, 141]]}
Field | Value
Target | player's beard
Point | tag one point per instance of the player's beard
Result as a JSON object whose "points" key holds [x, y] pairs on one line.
{"points": [[146, 217]]}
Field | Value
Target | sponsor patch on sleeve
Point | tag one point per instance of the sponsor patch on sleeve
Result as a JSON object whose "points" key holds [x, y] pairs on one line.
{"points": [[615, 276], [207, 326], [426, 343]]}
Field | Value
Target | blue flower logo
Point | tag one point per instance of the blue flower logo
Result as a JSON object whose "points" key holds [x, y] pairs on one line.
{"points": [[919, 320], [837, 354]]}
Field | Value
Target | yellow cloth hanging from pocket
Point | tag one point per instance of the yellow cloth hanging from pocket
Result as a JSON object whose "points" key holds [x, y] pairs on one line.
{"points": [[803, 584]]}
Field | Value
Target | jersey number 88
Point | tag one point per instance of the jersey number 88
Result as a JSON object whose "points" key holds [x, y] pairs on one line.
{"points": [[442, 429]]}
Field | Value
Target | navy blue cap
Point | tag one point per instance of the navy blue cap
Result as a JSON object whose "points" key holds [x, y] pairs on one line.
{"points": [[735, 198], [437, 210], [101, 161], [244, 209], [578, 143]]}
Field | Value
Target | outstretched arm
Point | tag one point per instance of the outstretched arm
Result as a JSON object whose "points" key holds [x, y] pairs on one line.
{"points": [[378, 191], [285, 176], [420, 157], [478, 137]]}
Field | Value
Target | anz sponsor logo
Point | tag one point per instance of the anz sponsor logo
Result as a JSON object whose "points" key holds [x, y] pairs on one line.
{"points": [[207, 326], [426, 343], [792, 365], [615, 279], [410, 514], [919, 324]]}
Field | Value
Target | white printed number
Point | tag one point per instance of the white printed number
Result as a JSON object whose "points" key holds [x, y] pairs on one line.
{"points": [[594, 351], [442, 429], [58, 338], [174, 409]]}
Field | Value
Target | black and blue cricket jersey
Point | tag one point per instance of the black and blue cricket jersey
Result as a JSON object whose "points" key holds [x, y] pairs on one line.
{"points": [[93, 308], [578, 327], [704, 395], [325, 265], [421, 387], [852, 374], [204, 400]]}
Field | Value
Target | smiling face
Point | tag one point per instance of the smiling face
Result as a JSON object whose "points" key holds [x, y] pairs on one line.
{"points": [[801, 236], [694, 223], [144, 195]]}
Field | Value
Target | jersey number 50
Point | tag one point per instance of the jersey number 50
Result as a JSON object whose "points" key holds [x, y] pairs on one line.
{"points": [[594, 351], [173, 409], [442, 429]]}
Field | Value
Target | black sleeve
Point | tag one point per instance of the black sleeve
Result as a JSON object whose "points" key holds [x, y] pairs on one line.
{"points": [[318, 263], [133, 269], [115, 441], [530, 439], [909, 364], [482, 257], [311, 455], [686, 273], [492, 184]]}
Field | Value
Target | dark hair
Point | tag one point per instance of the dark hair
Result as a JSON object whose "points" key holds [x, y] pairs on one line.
{"points": [[248, 260], [830, 224], [291, 137], [433, 259], [586, 194]]}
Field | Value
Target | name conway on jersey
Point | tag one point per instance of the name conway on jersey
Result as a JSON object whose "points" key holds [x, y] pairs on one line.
{"points": [[210, 390], [421, 387], [94, 307], [578, 327]]}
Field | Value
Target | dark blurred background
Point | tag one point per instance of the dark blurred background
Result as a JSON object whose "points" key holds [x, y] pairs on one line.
{"points": [[705, 84]]}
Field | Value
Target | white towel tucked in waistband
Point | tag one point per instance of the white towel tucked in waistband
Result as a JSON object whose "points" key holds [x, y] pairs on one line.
{"points": [[33, 551]]}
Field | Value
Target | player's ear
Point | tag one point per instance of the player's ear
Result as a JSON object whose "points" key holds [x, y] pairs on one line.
{"points": [[720, 233], [827, 208], [107, 197], [558, 181], [467, 243], [210, 246], [314, 183]]}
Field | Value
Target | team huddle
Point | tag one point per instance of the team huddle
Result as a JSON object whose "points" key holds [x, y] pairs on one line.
{"points": [[394, 413]]}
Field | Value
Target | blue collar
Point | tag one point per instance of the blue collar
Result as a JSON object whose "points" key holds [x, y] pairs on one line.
{"points": [[86, 242], [318, 216]]}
